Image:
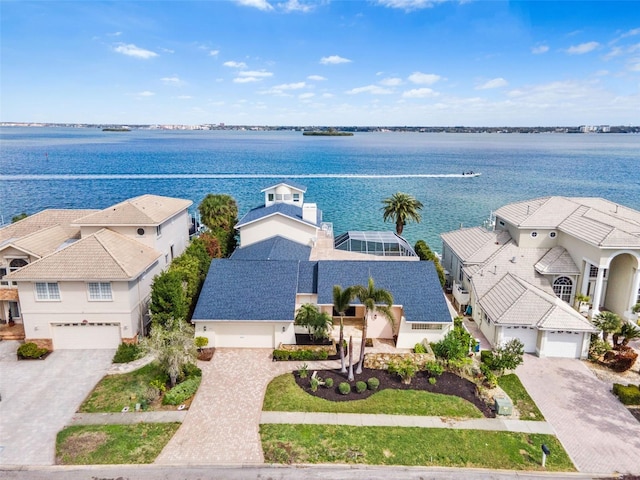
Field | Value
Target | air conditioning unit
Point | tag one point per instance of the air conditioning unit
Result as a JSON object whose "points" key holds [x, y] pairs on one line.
{"points": [[503, 406]]}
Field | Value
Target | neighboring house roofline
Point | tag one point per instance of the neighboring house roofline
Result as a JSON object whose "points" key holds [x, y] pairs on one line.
{"points": [[296, 186]]}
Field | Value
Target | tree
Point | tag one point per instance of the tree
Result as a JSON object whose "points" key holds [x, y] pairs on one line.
{"points": [[168, 298], [350, 377], [507, 356], [341, 303], [173, 346], [317, 323], [374, 300], [19, 217], [628, 332], [454, 346], [425, 253], [607, 322], [400, 208], [220, 214]]}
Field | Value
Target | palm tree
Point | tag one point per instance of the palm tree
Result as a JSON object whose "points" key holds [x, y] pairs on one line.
{"points": [[318, 323], [350, 377], [607, 322], [400, 208], [218, 211], [374, 300], [629, 332], [342, 302]]}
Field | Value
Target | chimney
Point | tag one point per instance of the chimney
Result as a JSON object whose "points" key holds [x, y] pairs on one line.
{"points": [[310, 213]]}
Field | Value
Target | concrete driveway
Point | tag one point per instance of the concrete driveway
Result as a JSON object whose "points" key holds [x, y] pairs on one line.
{"points": [[598, 432], [39, 397]]}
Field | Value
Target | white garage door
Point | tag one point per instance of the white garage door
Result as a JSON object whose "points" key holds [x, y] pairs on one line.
{"points": [[563, 344], [78, 336], [244, 335], [528, 336]]}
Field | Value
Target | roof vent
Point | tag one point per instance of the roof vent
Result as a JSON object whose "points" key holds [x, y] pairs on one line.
{"points": [[513, 259]]}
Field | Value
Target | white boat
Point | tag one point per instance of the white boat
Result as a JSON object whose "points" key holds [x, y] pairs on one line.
{"points": [[470, 174]]}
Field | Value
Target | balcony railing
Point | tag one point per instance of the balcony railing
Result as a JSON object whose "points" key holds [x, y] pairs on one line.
{"points": [[460, 294]]}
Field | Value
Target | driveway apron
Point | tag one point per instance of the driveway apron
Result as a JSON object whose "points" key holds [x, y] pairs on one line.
{"points": [[597, 431], [222, 424], [39, 397]]}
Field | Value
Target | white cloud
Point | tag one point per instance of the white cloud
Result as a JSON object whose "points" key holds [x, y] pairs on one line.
{"points": [[114, 34], [291, 86], [146, 93], [634, 65], [304, 96], [296, 6], [391, 82], [184, 97], [372, 89], [167, 50], [173, 81], [409, 5], [420, 93], [214, 53], [246, 79], [232, 64], [334, 60], [582, 48], [424, 78], [316, 78], [255, 73], [259, 4], [327, 95], [494, 83], [133, 51], [539, 49]]}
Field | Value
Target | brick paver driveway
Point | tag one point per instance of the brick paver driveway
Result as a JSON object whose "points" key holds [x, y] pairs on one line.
{"points": [[39, 397], [598, 432], [223, 420]]}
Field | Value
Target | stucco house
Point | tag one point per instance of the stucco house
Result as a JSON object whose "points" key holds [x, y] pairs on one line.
{"points": [[520, 278], [84, 278], [250, 299]]}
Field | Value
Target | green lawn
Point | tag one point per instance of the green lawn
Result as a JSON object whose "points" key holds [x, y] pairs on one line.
{"points": [[284, 395], [112, 444], [410, 446], [522, 401], [114, 392]]}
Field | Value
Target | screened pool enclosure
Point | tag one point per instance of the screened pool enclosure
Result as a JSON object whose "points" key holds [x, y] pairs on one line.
{"points": [[386, 244]]}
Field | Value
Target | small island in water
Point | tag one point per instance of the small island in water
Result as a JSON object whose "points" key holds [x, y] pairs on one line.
{"points": [[116, 129], [327, 133]]}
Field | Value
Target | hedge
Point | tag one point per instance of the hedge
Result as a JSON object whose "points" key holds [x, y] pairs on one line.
{"points": [[182, 391], [285, 355], [629, 395], [31, 350], [127, 352]]}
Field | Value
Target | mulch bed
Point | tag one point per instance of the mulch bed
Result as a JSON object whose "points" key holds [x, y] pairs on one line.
{"points": [[206, 354], [305, 339], [447, 384]]}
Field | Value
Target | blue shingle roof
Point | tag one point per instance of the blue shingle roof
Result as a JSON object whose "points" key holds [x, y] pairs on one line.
{"points": [[274, 248], [285, 209], [308, 277], [252, 290], [295, 185], [414, 285]]}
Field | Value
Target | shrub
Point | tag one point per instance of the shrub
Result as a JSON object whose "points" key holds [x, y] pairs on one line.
{"points": [[508, 356], [201, 342], [328, 382], [159, 385], [373, 383], [629, 395], [624, 360], [31, 350], [181, 392], [419, 348], [299, 355], [127, 352], [434, 368], [191, 370], [344, 388], [454, 346], [490, 378], [405, 369], [432, 380], [303, 370], [315, 382], [598, 347], [486, 356], [361, 386]]}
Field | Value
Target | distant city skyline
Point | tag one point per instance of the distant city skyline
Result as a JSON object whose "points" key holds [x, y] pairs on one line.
{"points": [[296, 62]]}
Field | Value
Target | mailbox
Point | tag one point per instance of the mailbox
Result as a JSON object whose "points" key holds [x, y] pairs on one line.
{"points": [[545, 449]]}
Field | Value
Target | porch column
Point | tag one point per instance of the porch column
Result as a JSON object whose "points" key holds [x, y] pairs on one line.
{"points": [[635, 286], [585, 278], [597, 294]]}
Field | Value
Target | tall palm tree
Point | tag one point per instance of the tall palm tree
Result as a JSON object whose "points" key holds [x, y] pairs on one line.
{"points": [[317, 323], [341, 303], [607, 322], [219, 211], [374, 300], [400, 208]]}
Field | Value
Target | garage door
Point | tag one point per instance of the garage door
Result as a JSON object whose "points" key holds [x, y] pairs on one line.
{"points": [[244, 335], [528, 336], [563, 344], [78, 336]]}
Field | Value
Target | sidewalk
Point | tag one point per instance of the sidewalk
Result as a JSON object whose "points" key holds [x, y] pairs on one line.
{"points": [[377, 420], [129, 418]]}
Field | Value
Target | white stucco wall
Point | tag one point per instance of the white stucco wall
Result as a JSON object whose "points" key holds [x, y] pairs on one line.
{"points": [[408, 337], [242, 334], [277, 225]]}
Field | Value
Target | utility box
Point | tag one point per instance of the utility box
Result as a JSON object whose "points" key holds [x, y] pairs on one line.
{"points": [[503, 406]]}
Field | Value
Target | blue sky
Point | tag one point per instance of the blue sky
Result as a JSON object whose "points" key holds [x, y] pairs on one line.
{"points": [[325, 62]]}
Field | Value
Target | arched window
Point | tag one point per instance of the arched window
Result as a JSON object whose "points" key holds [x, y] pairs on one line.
{"points": [[16, 264], [562, 286]]}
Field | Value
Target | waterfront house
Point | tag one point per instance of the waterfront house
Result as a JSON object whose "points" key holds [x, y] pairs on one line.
{"points": [[250, 299], [520, 278], [84, 277]]}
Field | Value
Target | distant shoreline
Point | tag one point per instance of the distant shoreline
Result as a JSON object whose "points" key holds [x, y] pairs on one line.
{"points": [[329, 133]]}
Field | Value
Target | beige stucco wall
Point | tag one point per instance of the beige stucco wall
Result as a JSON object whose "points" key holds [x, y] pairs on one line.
{"points": [[621, 271], [407, 337], [74, 307], [277, 225]]}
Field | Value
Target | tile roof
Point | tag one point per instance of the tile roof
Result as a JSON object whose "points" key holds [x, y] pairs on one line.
{"points": [[414, 285], [308, 277], [104, 255], [248, 290], [144, 210], [285, 209], [557, 261], [8, 294], [274, 248], [296, 185], [41, 220], [475, 244], [43, 242]]}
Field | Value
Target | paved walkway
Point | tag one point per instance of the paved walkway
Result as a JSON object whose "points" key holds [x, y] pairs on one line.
{"points": [[371, 420], [596, 430], [129, 418]]}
